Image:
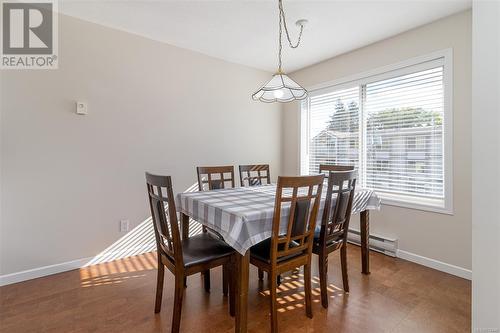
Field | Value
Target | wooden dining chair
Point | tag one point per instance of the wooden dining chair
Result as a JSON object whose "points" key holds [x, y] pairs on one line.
{"points": [[254, 174], [182, 257], [331, 235], [215, 178], [292, 248]]}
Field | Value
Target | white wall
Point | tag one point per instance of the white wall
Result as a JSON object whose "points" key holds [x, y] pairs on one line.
{"points": [[486, 166], [445, 238], [67, 180]]}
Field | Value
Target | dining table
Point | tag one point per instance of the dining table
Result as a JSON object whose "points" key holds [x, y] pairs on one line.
{"points": [[243, 216]]}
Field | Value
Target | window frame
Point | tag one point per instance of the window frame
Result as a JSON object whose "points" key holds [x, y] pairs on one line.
{"points": [[439, 58]]}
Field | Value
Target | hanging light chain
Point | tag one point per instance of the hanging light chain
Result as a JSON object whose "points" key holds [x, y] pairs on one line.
{"points": [[281, 88], [282, 24], [282, 13]]}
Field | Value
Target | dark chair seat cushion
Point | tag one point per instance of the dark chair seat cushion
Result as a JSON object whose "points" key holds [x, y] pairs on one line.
{"points": [[262, 251], [203, 248]]}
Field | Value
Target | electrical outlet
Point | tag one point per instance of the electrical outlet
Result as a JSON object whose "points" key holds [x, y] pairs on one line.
{"points": [[81, 108], [124, 225]]}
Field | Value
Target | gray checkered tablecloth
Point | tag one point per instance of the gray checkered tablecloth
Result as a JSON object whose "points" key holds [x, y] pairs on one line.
{"points": [[244, 215]]}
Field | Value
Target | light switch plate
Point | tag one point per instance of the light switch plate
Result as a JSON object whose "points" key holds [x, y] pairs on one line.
{"points": [[124, 225], [81, 108]]}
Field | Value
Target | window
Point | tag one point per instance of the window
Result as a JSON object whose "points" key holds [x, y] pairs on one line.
{"points": [[334, 129], [391, 126]]}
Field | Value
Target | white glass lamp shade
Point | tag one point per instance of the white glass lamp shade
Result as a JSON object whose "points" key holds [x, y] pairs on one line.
{"points": [[280, 89]]}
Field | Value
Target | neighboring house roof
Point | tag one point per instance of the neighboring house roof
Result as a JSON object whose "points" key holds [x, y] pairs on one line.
{"points": [[329, 134]]}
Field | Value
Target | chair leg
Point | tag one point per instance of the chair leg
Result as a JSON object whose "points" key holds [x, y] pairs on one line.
{"points": [[323, 278], [232, 288], [225, 275], [206, 280], [343, 261], [278, 280], [185, 282], [261, 274], [159, 286], [307, 289], [179, 291], [272, 297]]}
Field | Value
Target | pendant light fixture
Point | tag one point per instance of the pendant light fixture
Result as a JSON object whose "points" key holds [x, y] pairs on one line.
{"points": [[282, 88]]}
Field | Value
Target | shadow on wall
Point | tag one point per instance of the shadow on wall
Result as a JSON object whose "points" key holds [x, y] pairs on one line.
{"points": [[139, 240]]}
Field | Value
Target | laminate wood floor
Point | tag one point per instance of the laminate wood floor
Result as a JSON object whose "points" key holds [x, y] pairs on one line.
{"points": [[118, 296]]}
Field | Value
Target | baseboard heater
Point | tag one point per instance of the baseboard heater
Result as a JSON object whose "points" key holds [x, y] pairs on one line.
{"points": [[377, 243]]}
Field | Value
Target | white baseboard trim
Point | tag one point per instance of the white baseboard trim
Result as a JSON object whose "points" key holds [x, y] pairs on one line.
{"points": [[42, 271], [435, 264]]}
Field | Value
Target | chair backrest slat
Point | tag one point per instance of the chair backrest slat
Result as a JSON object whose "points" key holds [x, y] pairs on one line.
{"points": [[326, 168], [215, 177], [303, 195], [254, 174], [164, 216]]}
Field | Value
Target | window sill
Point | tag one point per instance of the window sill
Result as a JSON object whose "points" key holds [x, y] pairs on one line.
{"points": [[428, 205]]}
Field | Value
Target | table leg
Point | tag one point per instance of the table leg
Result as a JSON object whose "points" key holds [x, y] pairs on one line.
{"points": [[185, 226], [243, 266], [364, 225]]}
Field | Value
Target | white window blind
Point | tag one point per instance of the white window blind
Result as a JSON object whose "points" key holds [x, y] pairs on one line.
{"points": [[390, 126], [334, 128], [404, 134]]}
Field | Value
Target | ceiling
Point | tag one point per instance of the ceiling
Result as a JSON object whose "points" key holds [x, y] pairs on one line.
{"points": [[245, 32]]}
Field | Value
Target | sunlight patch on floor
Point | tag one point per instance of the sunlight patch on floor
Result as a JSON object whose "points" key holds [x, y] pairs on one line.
{"points": [[291, 295], [98, 272]]}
